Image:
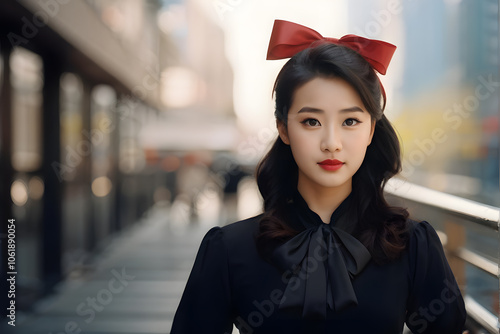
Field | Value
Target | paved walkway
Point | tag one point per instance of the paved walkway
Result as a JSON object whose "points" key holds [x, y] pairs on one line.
{"points": [[134, 287]]}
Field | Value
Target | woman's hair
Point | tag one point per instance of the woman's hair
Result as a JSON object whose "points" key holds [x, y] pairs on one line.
{"points": [[381, 228]]}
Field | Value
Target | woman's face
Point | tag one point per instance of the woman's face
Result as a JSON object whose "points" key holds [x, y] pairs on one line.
{"points": [[329, 130]]}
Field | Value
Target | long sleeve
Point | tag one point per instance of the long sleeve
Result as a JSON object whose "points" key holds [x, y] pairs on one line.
{"points": [[205, 306], [435, 304]]}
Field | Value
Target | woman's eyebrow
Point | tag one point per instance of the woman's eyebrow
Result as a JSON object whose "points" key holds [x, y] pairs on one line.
{"points": [[310, 109], [351, 109], [316, 110]]}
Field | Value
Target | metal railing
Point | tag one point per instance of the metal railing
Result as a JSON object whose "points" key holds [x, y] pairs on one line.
{"points": [[471, 211]]}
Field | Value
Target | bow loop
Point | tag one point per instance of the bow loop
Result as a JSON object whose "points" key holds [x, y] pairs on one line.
{"points": [[289, 38], [321, 262]]}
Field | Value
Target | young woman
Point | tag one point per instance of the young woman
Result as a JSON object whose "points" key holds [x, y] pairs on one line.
{"points": [[328, 254]]}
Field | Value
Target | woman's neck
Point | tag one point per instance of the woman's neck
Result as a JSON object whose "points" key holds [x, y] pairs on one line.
{"points": [[323, 200]]}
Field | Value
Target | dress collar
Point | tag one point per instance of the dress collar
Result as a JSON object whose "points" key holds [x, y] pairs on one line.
{"points": [[321, 261], [311, 218]]}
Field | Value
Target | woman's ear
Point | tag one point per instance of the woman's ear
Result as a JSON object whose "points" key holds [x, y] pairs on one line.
{"points": [[283, 133]]}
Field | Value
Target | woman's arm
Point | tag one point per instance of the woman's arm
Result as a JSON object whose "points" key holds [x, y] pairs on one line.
{"points": [[435, 304], [205, 306]]}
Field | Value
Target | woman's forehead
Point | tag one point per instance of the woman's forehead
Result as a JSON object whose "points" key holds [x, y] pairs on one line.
{"points": [[323, 94]]}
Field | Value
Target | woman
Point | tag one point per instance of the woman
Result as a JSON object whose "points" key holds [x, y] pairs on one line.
{"points": [[328, 255]]}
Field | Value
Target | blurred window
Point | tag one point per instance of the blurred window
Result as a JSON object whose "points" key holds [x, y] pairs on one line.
{"points": [[103, 105], [74, 147], [103, 175], [75, 151], [27, 83], [131, 154]]}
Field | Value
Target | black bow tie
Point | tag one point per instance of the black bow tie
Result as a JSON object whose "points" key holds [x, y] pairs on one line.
{"points": [[319, 264]]}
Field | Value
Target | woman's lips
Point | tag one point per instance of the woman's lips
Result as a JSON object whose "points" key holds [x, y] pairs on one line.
{"points": [[329, 164]]}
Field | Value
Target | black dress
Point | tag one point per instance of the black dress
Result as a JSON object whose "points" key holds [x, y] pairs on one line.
{"points": [[321, 281]]}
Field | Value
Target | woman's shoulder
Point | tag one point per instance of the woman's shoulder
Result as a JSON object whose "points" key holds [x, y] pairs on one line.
{"points": [[421, 231], [244, 225], [236, 234], [424, 244]]}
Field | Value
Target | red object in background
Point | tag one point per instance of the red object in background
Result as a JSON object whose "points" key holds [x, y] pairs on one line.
{"points": [[151, 156], [171, 163], [490, 124]]}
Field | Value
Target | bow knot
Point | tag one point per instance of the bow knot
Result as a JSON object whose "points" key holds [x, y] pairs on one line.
{"points": [[289, 38], [321, 263]]}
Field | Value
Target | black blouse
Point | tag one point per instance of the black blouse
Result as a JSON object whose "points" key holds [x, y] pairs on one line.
{"points": [[321, 281]]}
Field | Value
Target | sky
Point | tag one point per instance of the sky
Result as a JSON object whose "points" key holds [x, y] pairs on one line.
{"points": [[248, 25]]}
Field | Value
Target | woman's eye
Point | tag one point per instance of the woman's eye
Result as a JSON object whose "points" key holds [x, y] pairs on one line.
{"points": [[311, 122], [350, 122]]}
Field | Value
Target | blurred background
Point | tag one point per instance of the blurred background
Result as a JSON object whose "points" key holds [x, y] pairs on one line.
{"points": [[129, 128]]}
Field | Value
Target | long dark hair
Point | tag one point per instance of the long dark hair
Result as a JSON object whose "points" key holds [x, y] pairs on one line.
{"points": [[381, 228]]}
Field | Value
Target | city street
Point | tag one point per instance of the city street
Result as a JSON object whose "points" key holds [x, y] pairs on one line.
{"points": [[134, 286]]}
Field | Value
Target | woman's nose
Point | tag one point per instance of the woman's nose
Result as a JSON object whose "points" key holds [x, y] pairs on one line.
{"points": [[331, 140]]}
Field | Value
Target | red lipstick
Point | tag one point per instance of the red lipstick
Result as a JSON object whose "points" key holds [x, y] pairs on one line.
{"points": [[329, 164]]}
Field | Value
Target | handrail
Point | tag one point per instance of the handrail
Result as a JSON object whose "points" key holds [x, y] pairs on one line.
{"points": [[484, 317], [478, 261], [472, 211], [480, 213]]}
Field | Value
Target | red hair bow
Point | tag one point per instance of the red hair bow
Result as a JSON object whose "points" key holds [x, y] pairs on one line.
{"points": [[289, 38]]}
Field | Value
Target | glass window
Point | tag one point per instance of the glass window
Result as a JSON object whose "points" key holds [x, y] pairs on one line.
{"points": [[74, 147], [131, 156], [75, 150], [103, 102], [103, 179], [27, 83]]}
